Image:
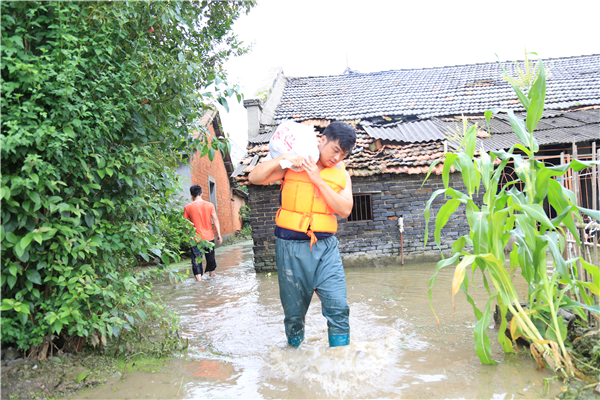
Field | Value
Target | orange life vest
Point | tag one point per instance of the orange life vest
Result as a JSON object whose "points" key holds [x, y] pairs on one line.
{"points": [[302, 210]]}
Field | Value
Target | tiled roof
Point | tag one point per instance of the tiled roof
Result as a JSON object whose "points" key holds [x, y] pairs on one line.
{"points": [[412, 132], [369, 157], [377, 153], [428, 92], [579, 124], [402, 117]]}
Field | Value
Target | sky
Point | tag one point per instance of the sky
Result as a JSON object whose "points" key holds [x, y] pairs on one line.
{"points": [[324, 37]]}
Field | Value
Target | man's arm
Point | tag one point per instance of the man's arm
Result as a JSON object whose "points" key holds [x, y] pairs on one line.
{"points": [[215, 219], [271, 171], [341, 202]]}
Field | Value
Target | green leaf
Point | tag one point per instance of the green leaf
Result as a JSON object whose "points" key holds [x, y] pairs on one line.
{"points": [[594, 272], [519, 129], [442, 218], [34, 277], [441, 264], [483, 345], [431, 167], [559, 261], [19, 250], [471, 141], [142, 314], [592, 213], [4, 192], [468, 172], [522, 98], [537, 212], [101, 162], [450, 158], [165, 258], [7, 304], [479, 232], [537, 96], [11, 280], [426, 212], [89, 219], [81, 377], [26, 240]]}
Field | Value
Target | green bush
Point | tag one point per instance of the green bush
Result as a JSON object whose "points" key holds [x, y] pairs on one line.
{"points": [[98, 100]]}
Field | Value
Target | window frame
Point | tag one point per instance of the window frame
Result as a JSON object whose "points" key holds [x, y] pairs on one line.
{"points": [[367, 205]]}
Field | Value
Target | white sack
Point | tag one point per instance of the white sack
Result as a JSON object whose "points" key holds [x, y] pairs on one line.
{"points": [[295, 138]]}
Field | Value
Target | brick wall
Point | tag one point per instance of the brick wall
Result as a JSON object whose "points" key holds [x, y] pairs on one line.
{"points": [[201, 170], [374, 242]]}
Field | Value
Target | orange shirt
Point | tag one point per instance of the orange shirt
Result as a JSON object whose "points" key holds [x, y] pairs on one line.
{"points": [[199, 214]]}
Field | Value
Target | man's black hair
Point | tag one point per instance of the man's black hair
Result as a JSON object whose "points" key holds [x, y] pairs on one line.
{"points": [[343, 133], [195, 191]]}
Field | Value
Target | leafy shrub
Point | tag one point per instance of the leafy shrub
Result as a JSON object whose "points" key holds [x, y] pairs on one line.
{"points": [[98, 100]]}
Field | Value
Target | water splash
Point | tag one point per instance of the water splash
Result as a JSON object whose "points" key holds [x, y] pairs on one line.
{"points": [[356, 368]]}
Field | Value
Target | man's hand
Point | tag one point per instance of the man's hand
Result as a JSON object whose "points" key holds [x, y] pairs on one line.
{"points": [[220, 240], [295, 159], [312, 169]]}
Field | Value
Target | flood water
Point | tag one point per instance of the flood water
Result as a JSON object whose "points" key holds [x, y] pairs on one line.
{"points": [[234, 323]]}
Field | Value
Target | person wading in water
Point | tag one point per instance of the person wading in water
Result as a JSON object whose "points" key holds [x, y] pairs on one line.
{"points": [[308, 259], [200, 213]]}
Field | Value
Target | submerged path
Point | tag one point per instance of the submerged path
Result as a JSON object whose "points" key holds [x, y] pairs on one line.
{"points": [[234, 323]]}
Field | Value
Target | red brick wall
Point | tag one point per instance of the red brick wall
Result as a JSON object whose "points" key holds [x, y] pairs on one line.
{"points": [[202, 168]]}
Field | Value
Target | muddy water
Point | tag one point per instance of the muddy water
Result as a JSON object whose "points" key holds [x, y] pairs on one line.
{"points": [[234, 323]]}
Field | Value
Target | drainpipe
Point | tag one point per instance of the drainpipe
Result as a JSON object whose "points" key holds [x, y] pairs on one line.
{"points": [[401, 227]]}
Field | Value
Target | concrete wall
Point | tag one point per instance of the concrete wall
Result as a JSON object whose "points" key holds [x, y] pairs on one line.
{"points": [[376, 242], [238, 202], [185, 172]]}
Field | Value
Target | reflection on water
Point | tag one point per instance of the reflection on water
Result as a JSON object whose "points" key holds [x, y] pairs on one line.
{"points": [[234, 323]]}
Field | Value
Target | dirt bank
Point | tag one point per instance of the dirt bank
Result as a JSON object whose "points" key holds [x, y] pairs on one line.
{"points": [[56, 377]]}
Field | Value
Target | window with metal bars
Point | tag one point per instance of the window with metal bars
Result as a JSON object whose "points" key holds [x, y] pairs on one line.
{"points": [[362, 209]]}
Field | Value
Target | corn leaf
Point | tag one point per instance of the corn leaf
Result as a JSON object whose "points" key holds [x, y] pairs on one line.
{"points": [[442, 218], [450, 158], [441, 264], [483, 345], [459, 273], [479, 232], [559, 261], [537, 96], [426, 212]]}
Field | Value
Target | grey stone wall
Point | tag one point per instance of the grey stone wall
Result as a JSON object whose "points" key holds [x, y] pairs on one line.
{"points": [[377, 242], [264, 203]]}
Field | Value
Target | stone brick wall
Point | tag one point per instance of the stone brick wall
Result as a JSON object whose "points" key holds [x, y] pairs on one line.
{"points": [[376, 242], [264, 203]]}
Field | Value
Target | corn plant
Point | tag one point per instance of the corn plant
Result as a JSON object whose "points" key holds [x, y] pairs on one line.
{"points": [[505, 212]]}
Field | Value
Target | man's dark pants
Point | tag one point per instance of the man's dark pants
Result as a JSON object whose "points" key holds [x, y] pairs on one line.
{"points": [[211, 263]]}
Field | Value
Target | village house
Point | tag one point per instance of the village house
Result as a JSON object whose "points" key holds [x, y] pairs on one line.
{"points": [[214, 178], [403, 118]]}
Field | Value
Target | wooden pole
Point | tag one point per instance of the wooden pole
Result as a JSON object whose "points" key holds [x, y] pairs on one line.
{"points": [[595, 205]]}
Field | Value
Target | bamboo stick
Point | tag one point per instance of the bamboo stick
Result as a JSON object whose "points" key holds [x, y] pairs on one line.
{"points": [[580, 252], [596, 177]]}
